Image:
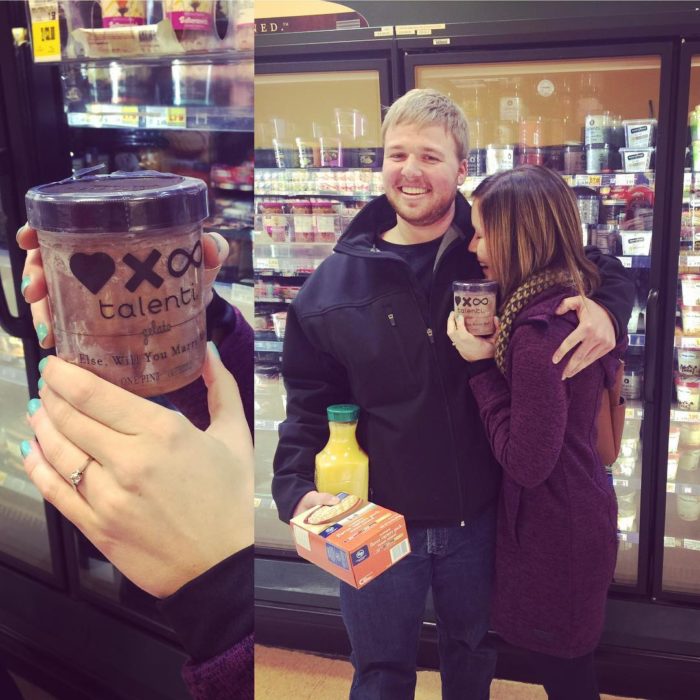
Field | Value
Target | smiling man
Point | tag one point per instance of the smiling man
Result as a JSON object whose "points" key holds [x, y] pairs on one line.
{"points": [[367, 328]]}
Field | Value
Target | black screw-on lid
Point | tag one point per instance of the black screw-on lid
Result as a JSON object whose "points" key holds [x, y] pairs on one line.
{"points": [[118, 202]]}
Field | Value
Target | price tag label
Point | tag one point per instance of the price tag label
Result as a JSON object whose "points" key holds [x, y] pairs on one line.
{"points": [[621, 482], [46, 36], [626, 261], [692, 544], [687, 489], [595, 181], [130, 116], [622, 536], [384, 31], [256, 502], [669, 541], [693, 261], [177, 117], [670, 487]]}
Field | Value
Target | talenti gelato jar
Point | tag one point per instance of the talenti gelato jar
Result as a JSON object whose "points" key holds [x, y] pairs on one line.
{"points": [[123, 261], [689, 362], [476, 301]]}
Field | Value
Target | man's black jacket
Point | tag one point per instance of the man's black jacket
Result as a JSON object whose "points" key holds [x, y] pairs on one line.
{"points": [[361, 331]]}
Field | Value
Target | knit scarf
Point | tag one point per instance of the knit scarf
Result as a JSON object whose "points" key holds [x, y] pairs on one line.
{"points": [[516, 303]]}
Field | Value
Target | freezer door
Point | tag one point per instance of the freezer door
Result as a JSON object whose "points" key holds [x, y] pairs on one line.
{"points": [[680, 487], [595, 120]]}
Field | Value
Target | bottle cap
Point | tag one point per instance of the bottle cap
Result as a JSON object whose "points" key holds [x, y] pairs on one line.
{"points": [[343, 413]]}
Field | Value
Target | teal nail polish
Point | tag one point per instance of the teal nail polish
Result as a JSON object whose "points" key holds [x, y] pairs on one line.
{"points": [[214, 349], [41, 331], [26, 281], [41, 383], [25, 447], [42, 364], [33, 406]]}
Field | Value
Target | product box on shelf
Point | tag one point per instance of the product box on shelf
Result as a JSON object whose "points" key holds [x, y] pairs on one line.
{"points": [[355, 541], [66, 29]]}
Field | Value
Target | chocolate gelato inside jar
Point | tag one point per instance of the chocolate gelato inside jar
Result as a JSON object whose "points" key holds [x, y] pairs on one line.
{"points": [[122, 255]]}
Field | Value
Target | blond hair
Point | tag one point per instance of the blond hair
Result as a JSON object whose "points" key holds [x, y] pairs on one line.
{"points": [[427, 107]]}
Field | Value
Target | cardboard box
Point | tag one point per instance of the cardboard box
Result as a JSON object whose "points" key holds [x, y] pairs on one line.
{"points": [[356, 548]]}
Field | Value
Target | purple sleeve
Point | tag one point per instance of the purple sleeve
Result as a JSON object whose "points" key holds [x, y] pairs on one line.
{"points": [[228, 676], [234, 339], [525, 423]]}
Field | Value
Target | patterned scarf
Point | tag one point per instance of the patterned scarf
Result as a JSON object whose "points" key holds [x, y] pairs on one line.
{"points": [[516, 303]]}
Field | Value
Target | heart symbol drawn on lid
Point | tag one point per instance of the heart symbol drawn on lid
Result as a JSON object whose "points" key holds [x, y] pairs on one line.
{"points": [[92, 270]]}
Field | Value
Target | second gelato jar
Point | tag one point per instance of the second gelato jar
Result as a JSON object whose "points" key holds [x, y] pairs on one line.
{"points": [[688, 393], [124, 267], [690, 316], [690, 286], [476, 301]]}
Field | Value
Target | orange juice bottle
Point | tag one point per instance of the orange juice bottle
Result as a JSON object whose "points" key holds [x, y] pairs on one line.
{"points": [[342, 465]]}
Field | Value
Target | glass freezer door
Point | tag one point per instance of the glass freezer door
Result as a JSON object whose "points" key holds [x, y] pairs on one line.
{"points": [[317, 161], [24, 535], [594, 120], [681, 541]]}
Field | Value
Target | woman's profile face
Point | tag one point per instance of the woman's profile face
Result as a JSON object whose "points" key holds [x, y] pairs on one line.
{"points": [[478, 243]]}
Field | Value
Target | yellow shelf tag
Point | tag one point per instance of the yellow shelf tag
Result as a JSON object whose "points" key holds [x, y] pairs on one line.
{"points": [[177, 117], [46, 35]]}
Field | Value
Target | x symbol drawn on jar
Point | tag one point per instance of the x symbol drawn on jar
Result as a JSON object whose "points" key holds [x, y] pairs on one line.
{"points": [[143, 270]]}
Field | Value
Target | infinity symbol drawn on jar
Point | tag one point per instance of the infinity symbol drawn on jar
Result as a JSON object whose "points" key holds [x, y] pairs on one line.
{"points": [[472, 301], [190, 259]]}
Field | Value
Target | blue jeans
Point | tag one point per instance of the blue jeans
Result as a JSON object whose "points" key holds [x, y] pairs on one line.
{"points": [[384, 618]]}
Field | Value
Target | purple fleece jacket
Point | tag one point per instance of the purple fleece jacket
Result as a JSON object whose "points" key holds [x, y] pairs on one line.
{"points": [[556, 538], [213, 614]]}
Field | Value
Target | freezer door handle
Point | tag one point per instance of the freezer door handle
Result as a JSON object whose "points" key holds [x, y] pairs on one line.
{"points": [[18, 326], [651, 345]]}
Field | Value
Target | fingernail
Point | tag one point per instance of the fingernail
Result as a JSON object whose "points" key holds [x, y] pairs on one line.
{"points": [[26, 281], [41, 383], [214, 349], [25, 447], [42, 365], [41, 331], [33, 406]]}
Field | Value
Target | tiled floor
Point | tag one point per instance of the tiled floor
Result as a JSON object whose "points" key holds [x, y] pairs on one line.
{"points": [[280, 673]]}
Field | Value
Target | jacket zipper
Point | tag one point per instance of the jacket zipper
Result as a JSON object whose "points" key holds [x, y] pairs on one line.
{"points": [[372, 251]]}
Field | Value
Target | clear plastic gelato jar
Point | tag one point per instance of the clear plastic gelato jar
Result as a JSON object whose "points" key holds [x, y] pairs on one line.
{"points": [[688, 393], [476, 301], [124, 267]]}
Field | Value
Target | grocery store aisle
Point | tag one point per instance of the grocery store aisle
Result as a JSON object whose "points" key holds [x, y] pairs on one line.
{"points": [[280, 673]]}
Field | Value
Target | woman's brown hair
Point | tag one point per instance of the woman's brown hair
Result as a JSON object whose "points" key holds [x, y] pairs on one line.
{"points": [[531, 225]]}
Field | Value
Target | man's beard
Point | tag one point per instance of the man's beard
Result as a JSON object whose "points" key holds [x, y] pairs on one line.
{"points": [[437, 212]]}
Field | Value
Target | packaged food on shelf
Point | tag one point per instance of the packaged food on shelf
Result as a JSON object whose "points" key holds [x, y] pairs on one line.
{"points": [[690, 317], [672, 466], [325, 222], [632, 383], [637, 159], [635, 242], [499, 157], [674, 436], [596, 128], [607, 238], [302, 221], [574, 158], [121, 12], [689, 361], [690, 435], [688, 393], [688, 465], [690, 286], [688, 506], [640, 133], [588, 207], [612, 211], [279, 322], [601, 158], [625, 466]]}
